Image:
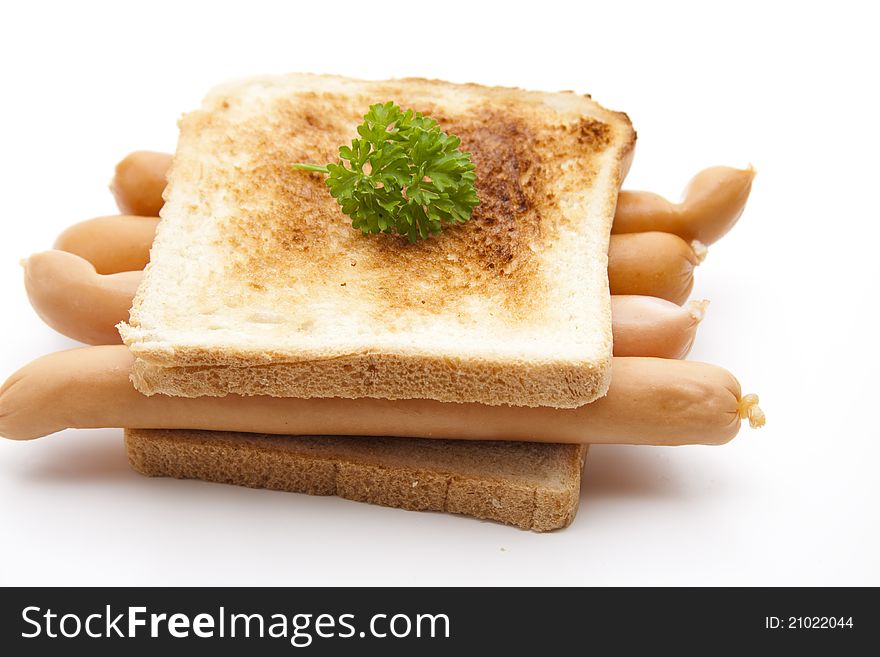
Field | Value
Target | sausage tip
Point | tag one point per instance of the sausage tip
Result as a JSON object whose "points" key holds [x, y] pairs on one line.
{"points": [[748, 408], [697, 309], [700, 251]]}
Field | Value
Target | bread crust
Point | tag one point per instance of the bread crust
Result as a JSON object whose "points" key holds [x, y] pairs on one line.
{"points": [[386, 376], [258, 285], [528, 485]]}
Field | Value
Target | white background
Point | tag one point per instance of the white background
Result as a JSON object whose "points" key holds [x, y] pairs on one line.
{"points": [[791, 88]]}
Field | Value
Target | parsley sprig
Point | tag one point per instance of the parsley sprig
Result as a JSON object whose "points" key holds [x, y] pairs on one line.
{"points": [[403, 175]]}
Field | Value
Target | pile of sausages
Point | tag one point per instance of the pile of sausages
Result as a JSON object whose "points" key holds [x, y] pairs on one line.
{"points": [[85, 286]]}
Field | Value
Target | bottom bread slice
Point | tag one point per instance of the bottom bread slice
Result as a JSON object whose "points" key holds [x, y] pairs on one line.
{"points": [[530, 485]]}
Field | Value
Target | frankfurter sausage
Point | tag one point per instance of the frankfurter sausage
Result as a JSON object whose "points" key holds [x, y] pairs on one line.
{"points": [[139, 181], [71, 297], [648, 326], [713, 202], [82, 304], [653, 264], [651, 401], [112, 244]]}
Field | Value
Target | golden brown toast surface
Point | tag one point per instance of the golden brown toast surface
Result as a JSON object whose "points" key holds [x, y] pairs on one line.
{"points": [[255, 264], [293, 217]]}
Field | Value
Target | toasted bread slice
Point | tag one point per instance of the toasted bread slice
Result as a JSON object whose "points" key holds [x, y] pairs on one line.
{"points": [[258, 284], [530, 485]]}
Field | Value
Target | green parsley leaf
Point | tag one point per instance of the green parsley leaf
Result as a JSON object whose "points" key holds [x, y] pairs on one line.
{"points": [[403, 174]]}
